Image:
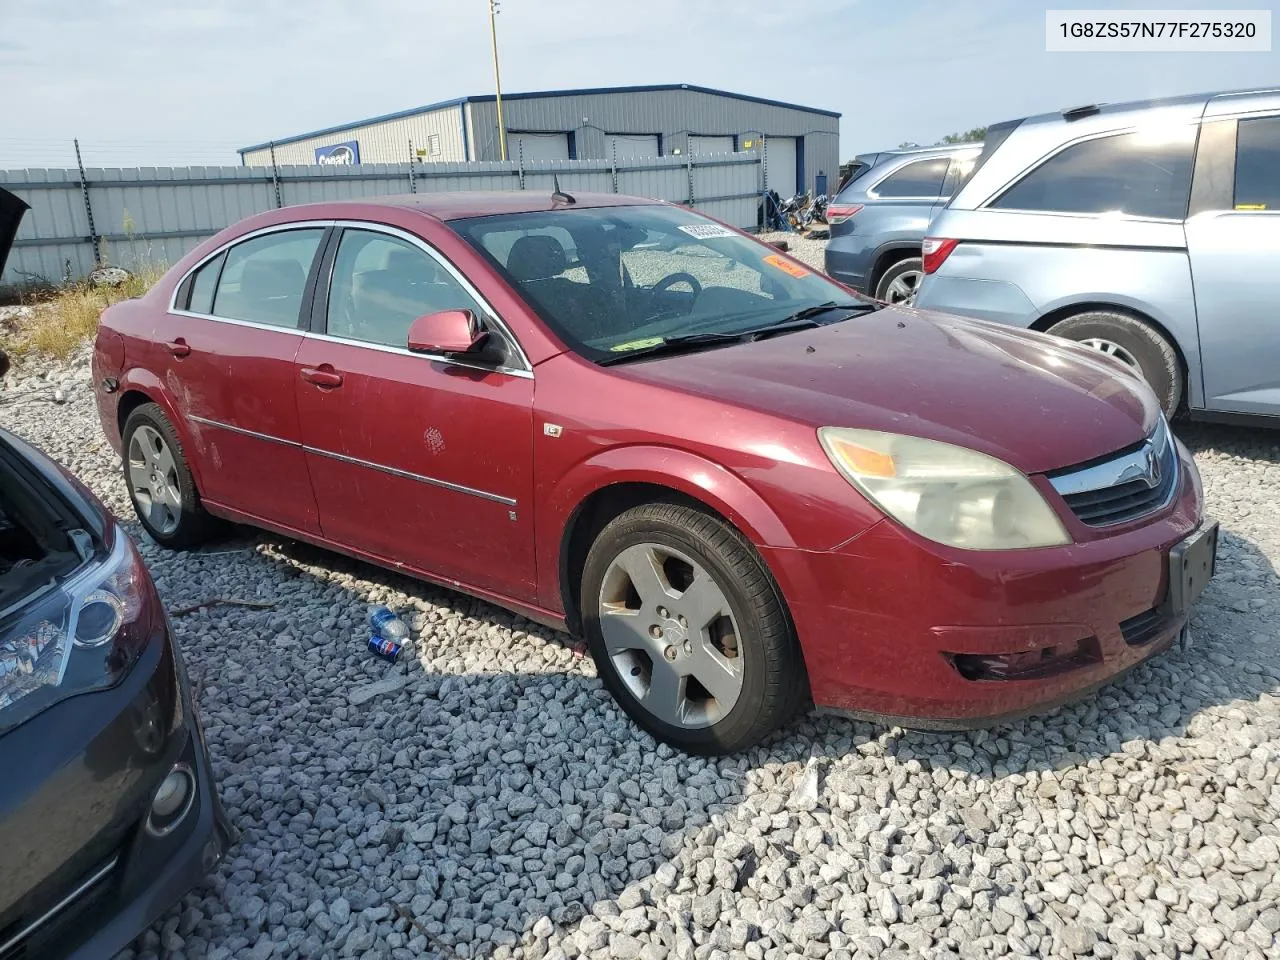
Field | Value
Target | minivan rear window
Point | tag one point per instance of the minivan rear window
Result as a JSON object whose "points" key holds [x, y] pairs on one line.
{"points": [[1258, 164], [1145, 173]]}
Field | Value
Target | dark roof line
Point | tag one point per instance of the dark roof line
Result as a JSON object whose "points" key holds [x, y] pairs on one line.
{"points": [[533, 95]]}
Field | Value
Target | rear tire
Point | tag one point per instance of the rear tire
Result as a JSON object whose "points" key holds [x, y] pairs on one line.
{"points": [[1136, 344], [160, 484], [729, 681], [900, 283]]}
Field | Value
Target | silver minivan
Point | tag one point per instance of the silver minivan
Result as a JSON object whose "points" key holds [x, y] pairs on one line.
{"points": [[1149, 231]]}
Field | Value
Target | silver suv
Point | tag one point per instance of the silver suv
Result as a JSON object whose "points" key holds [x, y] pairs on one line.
{"points": [[1149, 231]]}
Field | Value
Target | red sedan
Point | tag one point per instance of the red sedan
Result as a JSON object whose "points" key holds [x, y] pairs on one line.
{"points": [[744, 485]]}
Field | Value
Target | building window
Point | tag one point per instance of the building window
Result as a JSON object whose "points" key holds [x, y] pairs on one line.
{"points": [[433, 145]]}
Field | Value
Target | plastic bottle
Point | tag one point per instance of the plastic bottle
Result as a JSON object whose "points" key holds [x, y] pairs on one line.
{"points": [[386, 624]]}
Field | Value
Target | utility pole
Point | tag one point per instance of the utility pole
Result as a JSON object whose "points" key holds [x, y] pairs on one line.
{"points": [[497, 75]]}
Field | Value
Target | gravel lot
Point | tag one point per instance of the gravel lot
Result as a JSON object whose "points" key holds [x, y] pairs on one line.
{"points": [[485, 798]]}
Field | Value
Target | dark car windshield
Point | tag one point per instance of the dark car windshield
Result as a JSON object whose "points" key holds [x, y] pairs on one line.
{"points": [[611, 280]]}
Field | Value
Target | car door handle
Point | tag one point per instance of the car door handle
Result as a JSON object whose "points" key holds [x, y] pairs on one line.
{"points": [[328, 379], [178, 347]]}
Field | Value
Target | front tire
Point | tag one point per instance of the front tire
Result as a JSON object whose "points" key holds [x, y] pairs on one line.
{"points": [[689, 631], [1134, 343], [160, 484]]}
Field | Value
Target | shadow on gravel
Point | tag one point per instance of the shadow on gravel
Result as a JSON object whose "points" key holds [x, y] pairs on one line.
{"points": [[490, 794], [496, 796], [1258, 444]]}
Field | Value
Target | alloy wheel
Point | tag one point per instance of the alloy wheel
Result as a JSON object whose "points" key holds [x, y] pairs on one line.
{"points": [[1112, 350], [903, 288], [153, 479], [671, 636]]}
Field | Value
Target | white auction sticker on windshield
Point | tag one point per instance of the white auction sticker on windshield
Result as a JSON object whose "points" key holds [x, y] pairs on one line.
{"points": [[705, 231]]}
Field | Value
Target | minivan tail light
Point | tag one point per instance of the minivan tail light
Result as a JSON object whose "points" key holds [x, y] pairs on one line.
{"points": [[936, 250], [839, 213]]}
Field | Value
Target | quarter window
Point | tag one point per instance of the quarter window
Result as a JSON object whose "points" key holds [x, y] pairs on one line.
{"points": [[919, 178], [1146, 173], [1258, 164], [264, 278], [381, 284], [202, 285]]}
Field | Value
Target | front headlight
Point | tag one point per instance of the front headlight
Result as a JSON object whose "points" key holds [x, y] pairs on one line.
{"points": [[949, 494]]}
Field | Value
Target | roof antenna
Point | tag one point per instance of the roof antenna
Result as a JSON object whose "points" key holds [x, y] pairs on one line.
{"points": [[559, 194]]}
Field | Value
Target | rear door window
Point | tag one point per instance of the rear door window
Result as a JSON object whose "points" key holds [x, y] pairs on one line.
{"points": [[1258, 164], [263, 279], [919, 179], [1140, 174]]}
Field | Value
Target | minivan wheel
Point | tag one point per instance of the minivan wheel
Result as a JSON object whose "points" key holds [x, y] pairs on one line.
{"points": [[688, 630], [160, 485], [901, 281], [1134, 343]]}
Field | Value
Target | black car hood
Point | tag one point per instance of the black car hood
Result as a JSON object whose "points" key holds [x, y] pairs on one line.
{"points": [[11, 211]]}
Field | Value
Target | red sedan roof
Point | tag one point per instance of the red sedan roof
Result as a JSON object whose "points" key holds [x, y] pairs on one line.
{"points": [[455, 206]]}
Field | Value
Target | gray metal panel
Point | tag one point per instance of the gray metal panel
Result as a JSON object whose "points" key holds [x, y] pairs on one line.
{"points": [[384, 142], [674, 114], [153, 216]]}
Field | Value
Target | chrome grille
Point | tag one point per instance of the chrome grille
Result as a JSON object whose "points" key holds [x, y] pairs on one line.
{"points": [[1124, 487]]}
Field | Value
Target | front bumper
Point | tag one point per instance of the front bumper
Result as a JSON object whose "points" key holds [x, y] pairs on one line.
{"points": [[882, 619], [84, 876]]}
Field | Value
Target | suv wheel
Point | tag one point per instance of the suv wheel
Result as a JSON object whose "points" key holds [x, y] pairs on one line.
{"points": [[160, 484], [900, 282], [688, 630], [1134, 343]]}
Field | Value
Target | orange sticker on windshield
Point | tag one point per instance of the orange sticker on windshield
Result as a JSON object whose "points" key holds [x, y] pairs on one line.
{"points": [[786, 266]]}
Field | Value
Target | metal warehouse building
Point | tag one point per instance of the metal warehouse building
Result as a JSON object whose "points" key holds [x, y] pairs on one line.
{"points": [[800, 144]]}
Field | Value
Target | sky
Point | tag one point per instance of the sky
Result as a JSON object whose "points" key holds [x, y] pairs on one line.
{"points": [[173, 82]]}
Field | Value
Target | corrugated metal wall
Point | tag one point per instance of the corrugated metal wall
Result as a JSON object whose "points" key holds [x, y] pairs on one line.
{"points": [[154, 215], [385, 142], [673, 114]]}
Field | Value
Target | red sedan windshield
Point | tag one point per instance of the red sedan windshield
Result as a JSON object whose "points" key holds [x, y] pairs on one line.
{"points": [[611, 280]]}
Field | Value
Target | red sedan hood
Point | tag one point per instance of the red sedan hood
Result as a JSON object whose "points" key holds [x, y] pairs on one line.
{"points": [[1033, 401]]}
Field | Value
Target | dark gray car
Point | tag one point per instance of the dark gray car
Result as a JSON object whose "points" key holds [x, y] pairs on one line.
{"points": [[879, 218]]}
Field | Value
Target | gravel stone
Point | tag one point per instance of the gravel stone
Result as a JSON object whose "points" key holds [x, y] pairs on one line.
{"points": [[492, 793]]}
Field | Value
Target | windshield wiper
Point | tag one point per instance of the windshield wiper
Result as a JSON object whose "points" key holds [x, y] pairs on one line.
{"points": [[800, 320], [808, 313]]}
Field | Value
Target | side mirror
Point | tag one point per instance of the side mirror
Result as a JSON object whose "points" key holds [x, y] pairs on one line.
{"points": [[447, 332]]}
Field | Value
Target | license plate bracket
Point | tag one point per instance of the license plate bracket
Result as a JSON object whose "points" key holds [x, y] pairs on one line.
{"points": [[1191, 566]]}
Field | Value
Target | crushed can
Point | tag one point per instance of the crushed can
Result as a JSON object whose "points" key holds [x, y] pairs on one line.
{"points": [[386, 649]]}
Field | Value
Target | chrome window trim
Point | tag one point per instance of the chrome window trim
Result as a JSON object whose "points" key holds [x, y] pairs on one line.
{"points": [[1134, 465], [439, 258], [525, 371], [401, 351], [873, 190], [356, 461], [252, 234], [99, 875]]}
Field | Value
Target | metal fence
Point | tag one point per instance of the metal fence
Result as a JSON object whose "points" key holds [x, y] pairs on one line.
{"points": [[82, 218]]}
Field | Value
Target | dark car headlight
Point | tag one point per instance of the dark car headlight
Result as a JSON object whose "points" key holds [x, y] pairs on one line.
{"points": [[78, 635]]}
